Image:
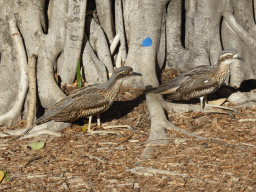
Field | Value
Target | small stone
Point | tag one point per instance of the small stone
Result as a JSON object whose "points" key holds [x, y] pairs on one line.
{"points": [[234, 179], [201, 121], [181, 122], [113, 181], [65, 186], [136, 185]]}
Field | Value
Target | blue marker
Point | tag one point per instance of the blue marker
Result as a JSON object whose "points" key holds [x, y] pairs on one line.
{"points": [[147, 42]]}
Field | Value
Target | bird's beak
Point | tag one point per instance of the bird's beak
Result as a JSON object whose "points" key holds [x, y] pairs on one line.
{"points": [[135, 74], [238, 57]]}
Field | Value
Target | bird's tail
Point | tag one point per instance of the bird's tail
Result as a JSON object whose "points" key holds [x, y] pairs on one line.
{"points": [[162, 89], [150, 89]]}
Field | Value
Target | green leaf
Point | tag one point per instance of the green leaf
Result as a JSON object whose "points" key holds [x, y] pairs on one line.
{"points": [[78, 74], [3, 172], [37, 145]]}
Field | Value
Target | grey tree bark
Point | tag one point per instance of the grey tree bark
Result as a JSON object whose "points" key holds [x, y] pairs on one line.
{"points": [[178, 34]]}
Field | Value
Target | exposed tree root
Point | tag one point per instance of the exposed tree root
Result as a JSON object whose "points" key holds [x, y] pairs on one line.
{"points": [[239, 97], [156, 106], [99, 43], [238, 29], [166, 125], [41, 132], [95, 71], [146, 154], [119, 24], [8, 117], [114, 43], [179, 108], [49, 128], [171, 127], [163, 123]]}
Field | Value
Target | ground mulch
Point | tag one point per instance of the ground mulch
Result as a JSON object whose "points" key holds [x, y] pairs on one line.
{"points": [[78, 161]]}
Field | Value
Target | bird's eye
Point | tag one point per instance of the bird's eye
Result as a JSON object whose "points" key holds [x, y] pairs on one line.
{"points": [[125, 73], [229, 56]]}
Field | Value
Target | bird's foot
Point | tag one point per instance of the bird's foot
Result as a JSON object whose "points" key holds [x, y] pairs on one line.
{"points": [[222, 112], [119, 126], [105, 132], [223, 107], [111, 127]]}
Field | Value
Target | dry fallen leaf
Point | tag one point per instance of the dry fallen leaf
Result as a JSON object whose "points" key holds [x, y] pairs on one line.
{"points": [[74, 84], [85, 127], [218, 102], [56, 77], [1, 175], [109, 75]]}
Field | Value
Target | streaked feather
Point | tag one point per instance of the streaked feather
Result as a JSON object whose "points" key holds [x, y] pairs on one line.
{"points": [[89, 100], [197, 82]]}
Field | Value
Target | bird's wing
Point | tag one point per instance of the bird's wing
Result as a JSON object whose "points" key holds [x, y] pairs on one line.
{"points": [[171, 86], [89, 97], [195, 86], [81, 99], [198, 70], [90, 100], [198, 83], [56, 109]]}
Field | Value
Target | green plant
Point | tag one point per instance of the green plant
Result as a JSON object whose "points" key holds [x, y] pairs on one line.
{"points": [[78, 74]]}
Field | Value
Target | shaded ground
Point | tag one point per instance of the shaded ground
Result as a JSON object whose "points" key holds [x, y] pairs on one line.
{"points": [[78, 161]]}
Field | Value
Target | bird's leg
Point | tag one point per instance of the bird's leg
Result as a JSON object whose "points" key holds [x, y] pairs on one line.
{"points": [[98, 123], [119, 126], [204, 103], [89, 124], [98, 119], [114, 126]]}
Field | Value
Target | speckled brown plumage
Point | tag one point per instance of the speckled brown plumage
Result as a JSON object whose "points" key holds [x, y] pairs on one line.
{"points": [[199, 81], [88, 101]]}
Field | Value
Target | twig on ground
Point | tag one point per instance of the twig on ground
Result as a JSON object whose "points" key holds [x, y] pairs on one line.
{"points": [[124, 139], [246, 120], [146, 171], [31, 160], [146, 142], [248, 144], [94, 157]]}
